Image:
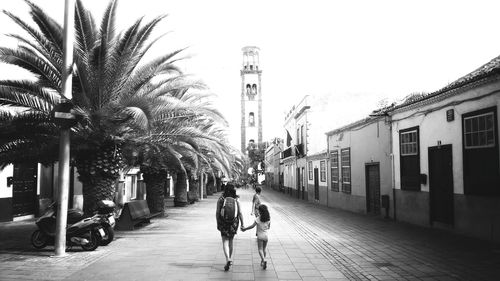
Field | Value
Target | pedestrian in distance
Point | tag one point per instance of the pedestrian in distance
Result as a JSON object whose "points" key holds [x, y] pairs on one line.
{"points": [[263, 223], [228, 215], [256, 201], [224, 182]]}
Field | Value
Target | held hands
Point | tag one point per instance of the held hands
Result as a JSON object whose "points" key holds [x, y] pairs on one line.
{"points": [[242, 228]]}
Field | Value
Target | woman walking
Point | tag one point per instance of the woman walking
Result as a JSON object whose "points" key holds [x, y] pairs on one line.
{"points": [[256, 201], [263, 223], [228, 217]]}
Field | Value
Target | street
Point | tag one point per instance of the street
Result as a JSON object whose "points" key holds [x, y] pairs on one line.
{"points": [[306, 242]]}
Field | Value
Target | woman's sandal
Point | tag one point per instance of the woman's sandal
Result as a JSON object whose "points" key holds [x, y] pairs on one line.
{"points": [[264, 265], [227, 266]]}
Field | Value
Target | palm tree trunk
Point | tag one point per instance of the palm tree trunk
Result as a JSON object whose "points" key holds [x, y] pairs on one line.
{"points": [[194, 193], [98, 170], [203, 184], [154, 191], [95, 191], [180, 199]]}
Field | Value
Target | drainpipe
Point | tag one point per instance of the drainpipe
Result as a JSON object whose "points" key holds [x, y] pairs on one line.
{"points": [[393, 176]]}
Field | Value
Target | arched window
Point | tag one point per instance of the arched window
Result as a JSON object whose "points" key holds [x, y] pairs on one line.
{"points": [[251, 119], [250, 92], [254, 89]]}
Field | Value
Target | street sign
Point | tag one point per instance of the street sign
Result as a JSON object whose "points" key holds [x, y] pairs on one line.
{"points": [[64, 116]]}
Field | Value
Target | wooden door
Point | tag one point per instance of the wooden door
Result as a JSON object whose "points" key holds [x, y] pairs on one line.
{"points": [[298, 182], [441, 184], [316, 184], [24, 189], [303, 183], [372, 174]]}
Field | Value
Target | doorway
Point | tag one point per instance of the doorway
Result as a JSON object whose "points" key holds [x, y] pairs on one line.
{"points": [[303, 183], [298, 183], [441, 184], [316, 184], [372, 174], [24, 182]]}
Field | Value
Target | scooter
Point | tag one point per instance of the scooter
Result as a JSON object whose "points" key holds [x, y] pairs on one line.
{"points": [[106, 215], [85, 232]]}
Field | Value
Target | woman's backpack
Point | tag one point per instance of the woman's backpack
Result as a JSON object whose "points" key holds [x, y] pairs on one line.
{"points": [[229, 210]]}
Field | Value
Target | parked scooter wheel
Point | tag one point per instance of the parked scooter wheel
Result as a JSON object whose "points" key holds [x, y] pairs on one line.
{"points": [[39, 240], [94, 241], [109, 235]]}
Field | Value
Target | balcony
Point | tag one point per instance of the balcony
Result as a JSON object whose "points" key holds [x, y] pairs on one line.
{"points": [[294, 150], [287, 152]]}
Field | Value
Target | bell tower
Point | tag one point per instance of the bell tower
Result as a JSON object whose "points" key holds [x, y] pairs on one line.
{"points": [[251, 99]]}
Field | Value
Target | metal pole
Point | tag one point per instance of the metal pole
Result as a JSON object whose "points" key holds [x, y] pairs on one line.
{"points": [[64, 142]]}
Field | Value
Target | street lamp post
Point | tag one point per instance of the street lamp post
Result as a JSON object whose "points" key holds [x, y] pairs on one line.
{"points": [[64, 142]]}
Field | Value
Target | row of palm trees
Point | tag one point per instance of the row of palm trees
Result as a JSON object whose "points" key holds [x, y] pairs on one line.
{"points": [[131, 111]]}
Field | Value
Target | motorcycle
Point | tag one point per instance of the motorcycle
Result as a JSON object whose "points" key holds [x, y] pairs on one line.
{"points": [[105, 213], [85, 232]]}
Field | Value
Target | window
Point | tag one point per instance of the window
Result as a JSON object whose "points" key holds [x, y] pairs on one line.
{"points": [[310, 168], [302, 134], [322, 171], [345, 162], [479, 131], [334, 170], [251, 91], [480, 153], [409, 159], [251, 119], [409, 143]]}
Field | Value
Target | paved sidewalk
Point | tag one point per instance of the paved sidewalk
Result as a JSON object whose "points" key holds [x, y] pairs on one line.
{"points": [[307, 242]]}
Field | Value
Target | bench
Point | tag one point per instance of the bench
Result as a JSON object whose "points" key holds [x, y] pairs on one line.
{"points": [[134, 213]]}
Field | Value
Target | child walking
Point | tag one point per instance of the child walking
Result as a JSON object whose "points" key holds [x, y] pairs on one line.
{"points": [[263, 223]]}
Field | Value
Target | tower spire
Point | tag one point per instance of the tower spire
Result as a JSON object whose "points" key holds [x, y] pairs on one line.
{"points": [[251, 98]]}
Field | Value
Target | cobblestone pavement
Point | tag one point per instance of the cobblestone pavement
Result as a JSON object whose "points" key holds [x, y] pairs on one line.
{"points": [[307, 242]]}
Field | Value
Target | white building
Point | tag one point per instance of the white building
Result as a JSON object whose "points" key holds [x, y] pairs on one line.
{"points": [[446, 156]]}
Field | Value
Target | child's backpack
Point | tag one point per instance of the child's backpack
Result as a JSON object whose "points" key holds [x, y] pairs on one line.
{"points": [[229, 210]]}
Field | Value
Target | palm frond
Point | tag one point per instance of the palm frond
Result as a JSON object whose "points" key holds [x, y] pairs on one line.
{"points": [[27, 60], [49, 27]]}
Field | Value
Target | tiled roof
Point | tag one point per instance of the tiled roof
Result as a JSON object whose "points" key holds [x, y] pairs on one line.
{"points": [[487, 70], [352, 125]]}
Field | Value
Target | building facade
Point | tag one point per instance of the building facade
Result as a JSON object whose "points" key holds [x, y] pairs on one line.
{"points": [[316, 179], [446, 148], [251, 99], [295, 149], [272, 163], [359, 167]]}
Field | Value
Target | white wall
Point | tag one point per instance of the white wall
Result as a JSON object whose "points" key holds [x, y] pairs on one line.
{"points": [[316, 164], [6, 191], [368, 144], [289, 174]]}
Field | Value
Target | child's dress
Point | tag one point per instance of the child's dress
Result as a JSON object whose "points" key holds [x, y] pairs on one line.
{"points": [[262, 228]]}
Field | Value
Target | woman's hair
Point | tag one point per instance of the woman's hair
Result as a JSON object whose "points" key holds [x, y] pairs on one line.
{"points": [[229, 191], [258, 189], [264, 213]]}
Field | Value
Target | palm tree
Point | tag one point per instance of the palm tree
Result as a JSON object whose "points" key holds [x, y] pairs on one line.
{"points": [[198, 144], [116, 94]]}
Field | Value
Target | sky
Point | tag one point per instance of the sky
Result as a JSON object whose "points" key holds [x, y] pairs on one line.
{"points": [[351, 55]]}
